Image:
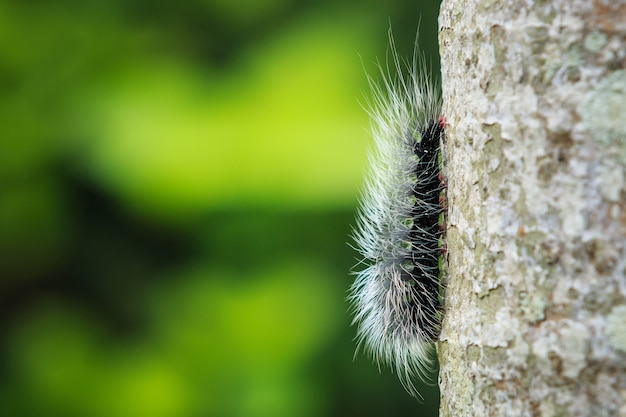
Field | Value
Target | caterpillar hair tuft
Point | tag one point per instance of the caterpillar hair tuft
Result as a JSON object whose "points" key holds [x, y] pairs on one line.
{"points": [[399, 232]]}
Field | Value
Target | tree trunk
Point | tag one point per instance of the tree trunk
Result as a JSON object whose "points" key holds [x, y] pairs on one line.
{"points": [[535, 308]]}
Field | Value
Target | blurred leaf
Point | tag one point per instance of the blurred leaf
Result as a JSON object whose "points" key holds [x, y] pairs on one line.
{"points": [[284, 128], [239, 337]]}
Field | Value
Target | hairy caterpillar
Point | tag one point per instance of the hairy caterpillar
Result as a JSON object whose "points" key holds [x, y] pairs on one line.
{"points": [[399, 232]]}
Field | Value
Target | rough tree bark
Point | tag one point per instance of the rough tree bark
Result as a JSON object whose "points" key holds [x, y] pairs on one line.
{"points": [[535, 101]]}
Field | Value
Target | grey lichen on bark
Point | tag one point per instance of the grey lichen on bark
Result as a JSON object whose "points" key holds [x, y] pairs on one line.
{"points": [[535, 301]]}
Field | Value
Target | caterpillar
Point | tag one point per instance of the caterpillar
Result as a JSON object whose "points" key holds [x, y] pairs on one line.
{"points": [[396, 295]]}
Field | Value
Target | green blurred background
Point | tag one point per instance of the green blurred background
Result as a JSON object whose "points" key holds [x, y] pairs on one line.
{"points": [[177, 185]]}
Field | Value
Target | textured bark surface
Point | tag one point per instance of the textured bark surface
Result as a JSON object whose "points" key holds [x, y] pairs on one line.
{"points": [[535, 100]]}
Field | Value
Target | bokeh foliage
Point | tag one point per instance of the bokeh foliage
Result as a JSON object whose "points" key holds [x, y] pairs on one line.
{"points": [[177, 185]]}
